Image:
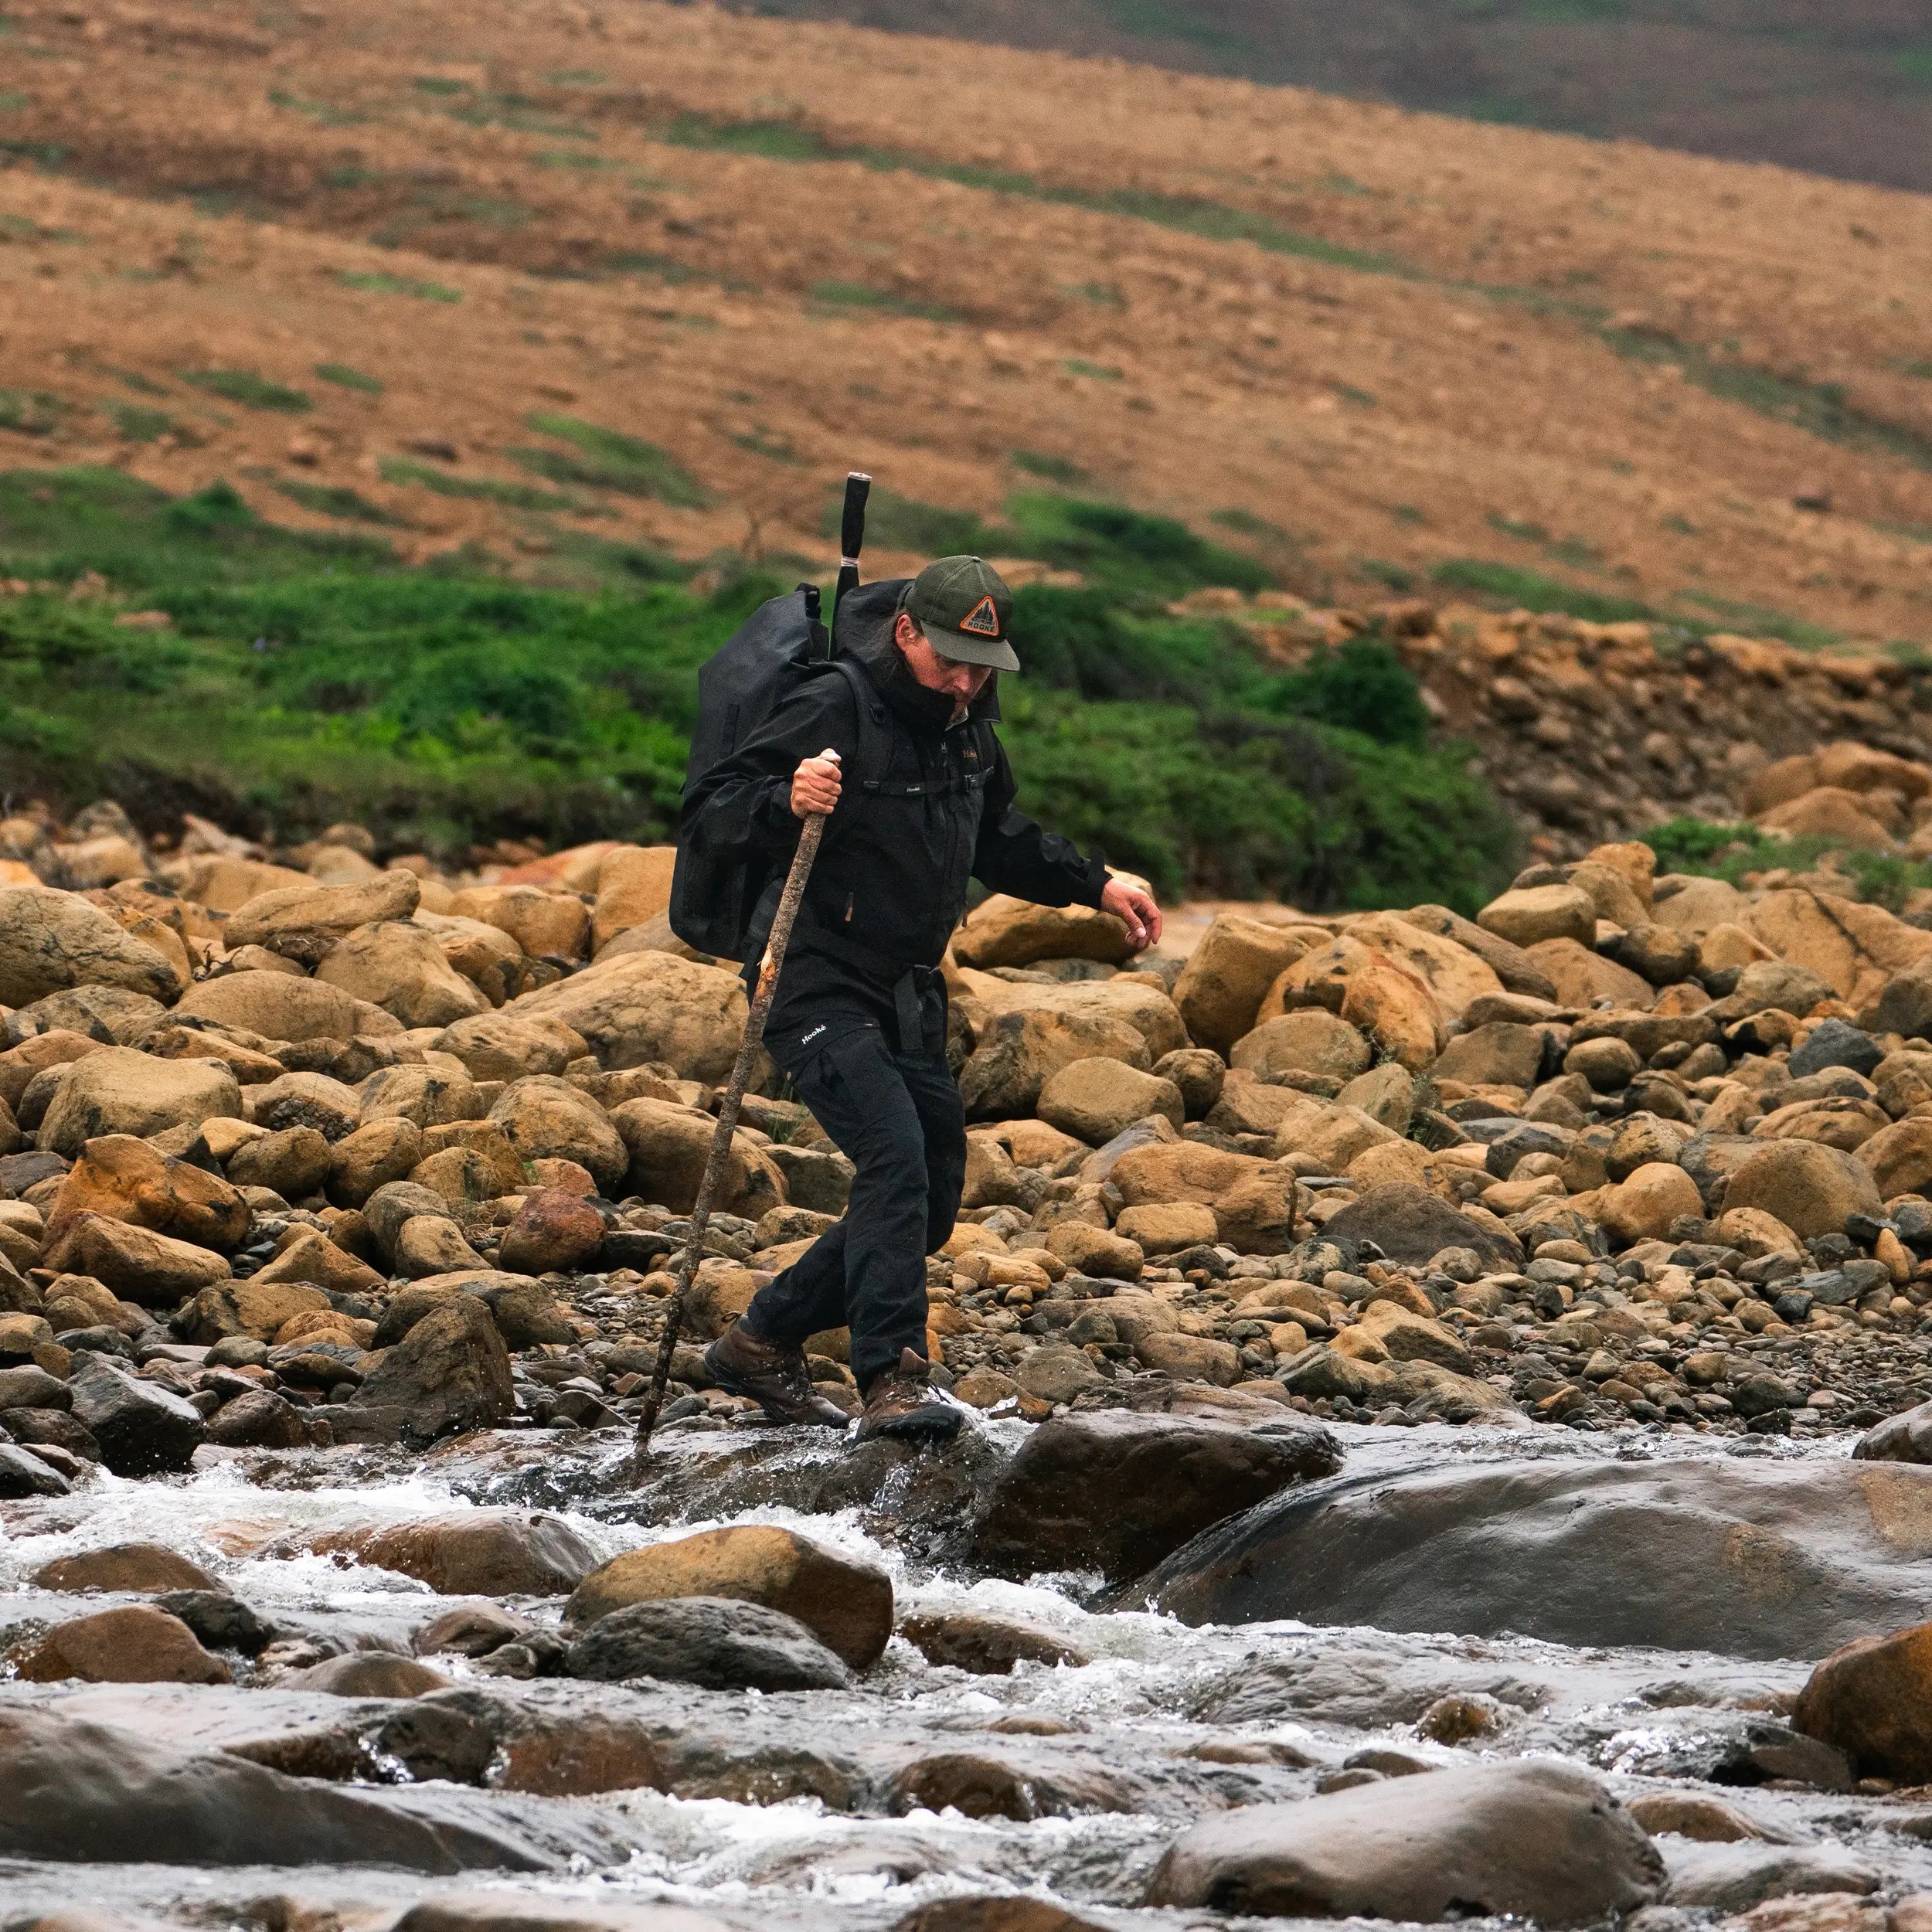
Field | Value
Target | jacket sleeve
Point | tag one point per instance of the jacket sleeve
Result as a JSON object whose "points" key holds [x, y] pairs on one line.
{"points": [[1014, 855], [745, 801]]}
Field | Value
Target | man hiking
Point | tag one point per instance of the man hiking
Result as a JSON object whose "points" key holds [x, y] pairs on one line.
{"points": [[921, 799]]}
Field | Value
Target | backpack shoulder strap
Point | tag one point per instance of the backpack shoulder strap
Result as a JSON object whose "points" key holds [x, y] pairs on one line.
{"points": [[874, 728]]}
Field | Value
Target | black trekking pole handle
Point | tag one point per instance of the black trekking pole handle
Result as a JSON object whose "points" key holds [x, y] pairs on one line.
{"points": [[714, 1167], [852, 531]]}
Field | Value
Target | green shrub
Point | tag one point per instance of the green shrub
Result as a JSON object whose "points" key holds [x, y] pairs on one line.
{"points": [[1727, 852]]}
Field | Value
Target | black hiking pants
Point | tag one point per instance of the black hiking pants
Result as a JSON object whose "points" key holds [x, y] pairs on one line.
{"points": [[897, 1117]]}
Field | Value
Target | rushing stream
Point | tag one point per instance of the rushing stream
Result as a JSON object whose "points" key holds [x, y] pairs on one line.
{"points": [[1082, 1775]]}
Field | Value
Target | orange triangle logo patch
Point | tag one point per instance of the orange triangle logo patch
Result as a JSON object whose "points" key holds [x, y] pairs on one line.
{"points": [[982, 620]]}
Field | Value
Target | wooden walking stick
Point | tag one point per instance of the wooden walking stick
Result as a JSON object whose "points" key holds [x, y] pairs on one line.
{"points": [[813, 831]]}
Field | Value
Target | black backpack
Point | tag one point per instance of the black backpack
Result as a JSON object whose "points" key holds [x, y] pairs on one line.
{"points": [[716, 891]]}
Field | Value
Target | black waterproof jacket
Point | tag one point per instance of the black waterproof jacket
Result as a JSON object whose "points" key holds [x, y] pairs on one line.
{"points": [[891, 879]]}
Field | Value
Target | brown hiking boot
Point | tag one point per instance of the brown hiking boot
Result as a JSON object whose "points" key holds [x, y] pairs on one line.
{"points": [[775, 1378], [901, 1403]]}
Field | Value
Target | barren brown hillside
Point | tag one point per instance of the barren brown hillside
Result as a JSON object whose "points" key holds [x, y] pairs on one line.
{"points": [[1361, 341]]}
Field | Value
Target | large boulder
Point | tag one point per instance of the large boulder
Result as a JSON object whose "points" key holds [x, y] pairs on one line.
{"points": [[1899, 1157], [143, 1429], [253, 1307], [1004, 931], [546, 1118], [127, 1179], [1094, 1100], [284, 1006], [1741, 1556], [118, 1090], [136, 1645], [49, 940], [1500, 1053], [552, 924], [1411, 1225], [450, 1373], [1237, 959], [1529, 915], [401, 968], [1514, 968], [669, 1145], [508, 1044], [481, 1552], [1253, 1200], [1456, 976], [1393, 1007], [1116, 1492], [135, 1264], [1311, 1040], [1873, 1700], [303, 922], [633, 887], [1015, 1054], [1810, 1187], [716, 1642], [1855, 949], [70, 1789], [1546, 1842], [1145, 1008], [846, 1603], [649, 1006]]}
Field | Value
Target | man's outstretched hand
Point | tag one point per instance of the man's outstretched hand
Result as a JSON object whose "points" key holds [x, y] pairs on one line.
{"points": [[1136, 910]]}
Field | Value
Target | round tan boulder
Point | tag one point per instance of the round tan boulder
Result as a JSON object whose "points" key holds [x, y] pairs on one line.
{"points": [[127, 1179], [119, 1091], [847, 1605], [1310, 1041], [1530, 914], [370, 1673], [1610, 892], [1101, 1252], [668, 1146], [1810, 1188], [633, 887], [1094, 1100], [1582, 976], [139, 1644], [546, 1118], [645, 1007], [1899, 1157], [401, 969], [284, 1006], [1755, 1234], [553, 924], [1189, 1358], [1395, 1009], [134, 1263], [484, 1553], [1238, 959], [1643, 1207], [377, 1152], [1005, 931], [1146, 1008], [137, 1566], [1016, 1054], [508, 1045], [49, 940], [302, 923], [1165, 1227]]}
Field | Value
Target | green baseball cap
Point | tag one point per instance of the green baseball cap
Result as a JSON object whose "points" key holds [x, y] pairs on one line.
{"points": [[963, 607]]}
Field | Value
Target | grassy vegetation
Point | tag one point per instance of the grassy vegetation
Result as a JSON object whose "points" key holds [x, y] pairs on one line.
{"points": [[1507, 584], [245, 387], [1139, 559], [381, 284], [602, 459], [308, 677], [1729, 851]]}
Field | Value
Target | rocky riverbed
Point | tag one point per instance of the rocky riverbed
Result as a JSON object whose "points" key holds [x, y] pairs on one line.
{"points": [[1447, 1433], [345, 1687]]}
